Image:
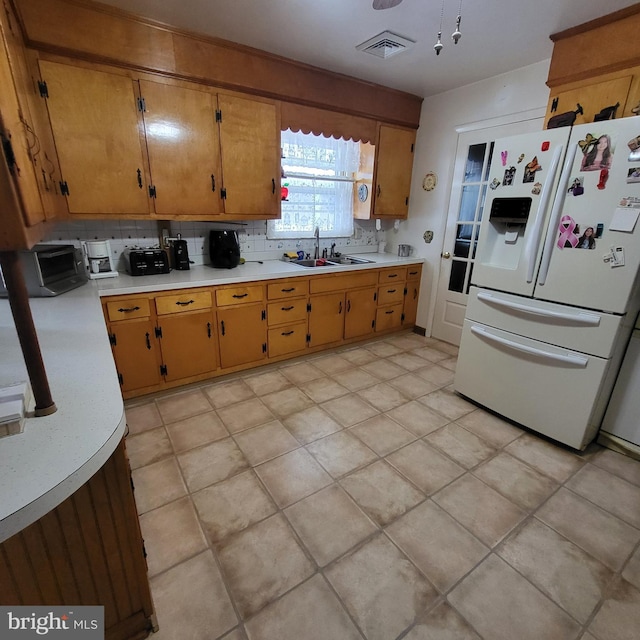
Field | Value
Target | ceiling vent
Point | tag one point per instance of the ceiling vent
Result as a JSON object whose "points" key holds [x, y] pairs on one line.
{"points": [[385, 45]]}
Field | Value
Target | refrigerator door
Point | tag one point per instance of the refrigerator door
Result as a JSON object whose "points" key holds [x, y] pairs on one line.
{"points": [[522, 182], [592, 247], [551, 390]]}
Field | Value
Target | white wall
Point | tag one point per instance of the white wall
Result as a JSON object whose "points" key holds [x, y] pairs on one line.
{"points": [[442, 116]]}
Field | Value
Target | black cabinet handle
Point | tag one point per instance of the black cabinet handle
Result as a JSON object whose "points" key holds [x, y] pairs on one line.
{"points": [[208, 329], [184, 304], [391, 290], [340, 309], [392, 275], [240, 295], [288, 290], [286, 308], [273, 185], [415, 294], [213, 182], [348, 306], [139, 179], [129, 310], [148, 341], [378, 191], [222, 327], [287, 333], [388, 312]]}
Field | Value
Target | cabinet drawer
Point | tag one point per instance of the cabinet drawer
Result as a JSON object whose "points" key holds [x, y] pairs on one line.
{"points": [[391, 293], [342, 282], [238, 295], [389, 317], [287, 339], [128, 309], [286, 311], [186, 301], [393, 275], [287, 289], [414, 272]]}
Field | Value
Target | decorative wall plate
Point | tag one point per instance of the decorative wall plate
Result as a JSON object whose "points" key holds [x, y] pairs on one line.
{"points": [[363, 192], [430, 181]]}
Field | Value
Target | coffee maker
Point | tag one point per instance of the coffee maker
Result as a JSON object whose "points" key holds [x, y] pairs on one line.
{"points": [[98, 259]]}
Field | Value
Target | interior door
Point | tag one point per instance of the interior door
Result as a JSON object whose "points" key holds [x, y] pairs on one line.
{"points": [[468, 192]]}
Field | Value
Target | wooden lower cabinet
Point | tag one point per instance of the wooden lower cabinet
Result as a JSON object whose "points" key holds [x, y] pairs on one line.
{"points": [[86, 551], [242, 333], [360, 314], [326, 318]]}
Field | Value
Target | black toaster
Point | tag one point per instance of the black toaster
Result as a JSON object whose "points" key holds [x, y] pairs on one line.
{"points": [[146, 262]]}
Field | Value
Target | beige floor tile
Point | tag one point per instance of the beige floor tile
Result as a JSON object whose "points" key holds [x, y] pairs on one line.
{"points": [[463, 446], [436, 374], [428, 469], [417, 418], [523, 485], [631, 572], [212, 463], [382, 590], [449, 363], [407, 341], [564, 572], [382, 434], [192, 596], [448, 403], [148, 447], [301, 372], [619, 464], [293, 476], [546, 457], [236, 634], [341, 453], [310, 612], [311, 424], [501, 605], [619, 616], [265, 442], [604, 536], [329, 523], [382, 492], [496, 431], [245, 414], [143, 417], [359, 356], [384, 369], [332, 363], [443, 623], [269, 382], [408, 361], [196, 431], [355, 379], [232, 505], [183, 405], [449, 349], [171, 534], [487, 514], [430, 354], [383, 396], [383, 349], [284, 403], [222, 394], [349, 410], [613, 494], [438, 545], [157, 484], [261, 563], [323, 389], [412, 386]]}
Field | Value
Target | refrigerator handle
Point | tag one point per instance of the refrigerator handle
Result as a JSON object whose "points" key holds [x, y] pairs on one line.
{"points": [[555, 214], [575, 360], [536, 231]]}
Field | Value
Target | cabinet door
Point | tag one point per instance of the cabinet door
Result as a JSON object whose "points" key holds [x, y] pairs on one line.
{"points": [[188, 344], [95, 124], [242, 332], [389, 317], [394, 163], [136, 353], [410, 310], [184, 150], [361, 313], [250, 147], [326, 319]]}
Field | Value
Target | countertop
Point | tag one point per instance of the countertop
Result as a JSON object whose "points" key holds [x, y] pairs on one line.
{"points": [[55, 455]]}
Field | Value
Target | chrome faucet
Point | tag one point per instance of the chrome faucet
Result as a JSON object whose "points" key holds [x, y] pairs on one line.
{"points": [[316, 254]]}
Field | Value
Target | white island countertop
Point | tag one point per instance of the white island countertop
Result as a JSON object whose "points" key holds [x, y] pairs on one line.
{"points": [[55, 455]]}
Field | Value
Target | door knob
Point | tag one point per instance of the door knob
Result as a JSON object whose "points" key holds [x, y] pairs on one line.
{"points": [[446, 255]]}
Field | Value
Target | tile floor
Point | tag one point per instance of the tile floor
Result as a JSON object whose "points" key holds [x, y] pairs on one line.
{"points": [[353, 495]]}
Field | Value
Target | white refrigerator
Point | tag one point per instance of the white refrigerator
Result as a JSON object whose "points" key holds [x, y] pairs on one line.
{"points": [[555, 289]]}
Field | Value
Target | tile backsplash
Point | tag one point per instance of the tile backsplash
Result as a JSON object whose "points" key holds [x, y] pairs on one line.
{"points": [[254, 244]]}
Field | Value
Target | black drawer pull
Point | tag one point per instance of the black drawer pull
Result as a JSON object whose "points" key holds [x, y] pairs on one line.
{"points": [[388, 312], [287, 333], [129, 310], [392, 275], [413, 273], [240, 295], [184, 304], [391, 290], [288, 290], [286, 308]]}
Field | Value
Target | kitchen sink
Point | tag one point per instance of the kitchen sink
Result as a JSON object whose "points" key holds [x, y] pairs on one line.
{"points": [[331, 262], [314, 263], [350, 260]]}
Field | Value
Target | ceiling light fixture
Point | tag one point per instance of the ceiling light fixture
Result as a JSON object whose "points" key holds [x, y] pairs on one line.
{"points": [[455, 36]]}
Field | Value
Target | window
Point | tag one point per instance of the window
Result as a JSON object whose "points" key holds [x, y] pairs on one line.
{"points": [[319, 174]]}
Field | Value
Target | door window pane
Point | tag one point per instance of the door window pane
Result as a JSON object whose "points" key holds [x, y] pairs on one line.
{"points": [[486, 171], [475, 160], [468, 203], [456, 279]]}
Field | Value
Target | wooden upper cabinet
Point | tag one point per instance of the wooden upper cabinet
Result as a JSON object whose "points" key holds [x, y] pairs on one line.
{"points": [[394, 164], [250, 144], [184, 150], [95, 122]]}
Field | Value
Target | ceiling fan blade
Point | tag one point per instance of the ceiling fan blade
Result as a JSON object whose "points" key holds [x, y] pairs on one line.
{"points": [[385, 4]]}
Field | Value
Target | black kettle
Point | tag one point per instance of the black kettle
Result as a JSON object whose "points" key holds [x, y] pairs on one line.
{"points": [[180, 255]]}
